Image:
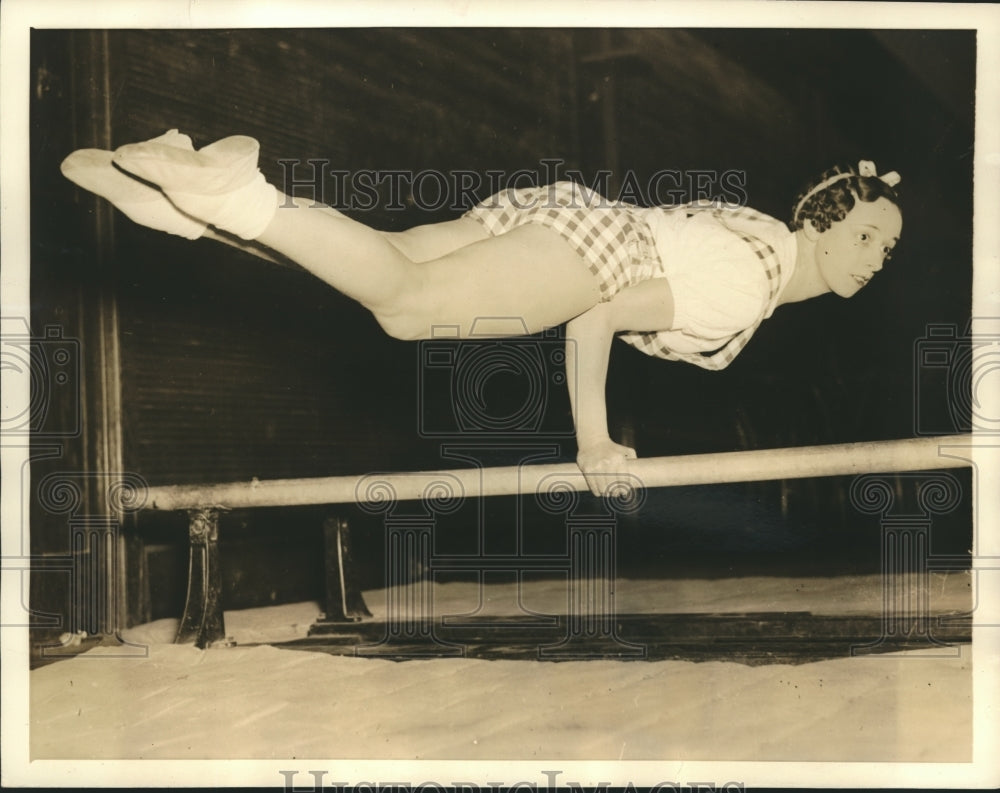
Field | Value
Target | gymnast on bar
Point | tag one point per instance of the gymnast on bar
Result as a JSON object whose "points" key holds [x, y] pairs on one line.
{"points": [[689, 282]]}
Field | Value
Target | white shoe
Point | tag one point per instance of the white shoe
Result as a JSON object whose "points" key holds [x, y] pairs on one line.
{"points": [[219, 184], [92, 169]]}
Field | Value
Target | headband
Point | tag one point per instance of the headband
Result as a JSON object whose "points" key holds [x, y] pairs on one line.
{"points": [[865, 168]]}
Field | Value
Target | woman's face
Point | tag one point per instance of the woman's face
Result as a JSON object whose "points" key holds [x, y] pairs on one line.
{"points": [[852, 250]]}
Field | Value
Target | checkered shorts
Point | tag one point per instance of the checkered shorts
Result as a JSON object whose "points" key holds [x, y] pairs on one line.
{"points": [[613, 240]]}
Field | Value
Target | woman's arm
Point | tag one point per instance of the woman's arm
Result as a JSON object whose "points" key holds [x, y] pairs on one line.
{"points": [[645, 306]]}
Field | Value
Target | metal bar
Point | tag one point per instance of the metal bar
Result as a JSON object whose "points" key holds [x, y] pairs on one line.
{"points": [[847, 459]]}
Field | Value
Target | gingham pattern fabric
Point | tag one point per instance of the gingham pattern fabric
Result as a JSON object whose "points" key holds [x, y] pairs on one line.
{"points": [[747, 224], [616, 244]]}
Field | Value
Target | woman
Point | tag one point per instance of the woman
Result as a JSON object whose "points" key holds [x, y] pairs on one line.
{"points": [[687, 283]]}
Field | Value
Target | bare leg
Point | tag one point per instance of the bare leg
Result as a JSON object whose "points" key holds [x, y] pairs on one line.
{"points": [[352, 257]]}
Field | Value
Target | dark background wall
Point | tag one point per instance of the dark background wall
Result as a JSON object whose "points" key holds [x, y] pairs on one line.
{"points": [[231, 367]]}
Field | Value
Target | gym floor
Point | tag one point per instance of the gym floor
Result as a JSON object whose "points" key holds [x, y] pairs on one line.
{"points": [[155, 700]]}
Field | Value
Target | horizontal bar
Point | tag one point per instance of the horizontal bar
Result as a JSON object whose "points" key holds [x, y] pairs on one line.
{"points": [[846, 459]]}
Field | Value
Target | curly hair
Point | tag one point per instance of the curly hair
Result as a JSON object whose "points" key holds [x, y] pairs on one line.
{"points": [[831, 204]]}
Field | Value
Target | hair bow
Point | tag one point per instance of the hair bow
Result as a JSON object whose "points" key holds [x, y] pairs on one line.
{"points": [[867, 168]]}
